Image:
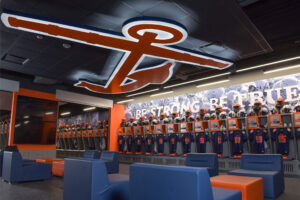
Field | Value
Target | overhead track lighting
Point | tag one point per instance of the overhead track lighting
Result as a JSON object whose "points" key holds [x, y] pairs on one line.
{"points": [[213, 83], [125, 101], [197, 80], [282, 69], [89, 108], [162, 93], [267, 64], [135, 94]]}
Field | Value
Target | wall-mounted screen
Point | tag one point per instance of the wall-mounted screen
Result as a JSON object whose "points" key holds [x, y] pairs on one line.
{"points": [[35, 121]]}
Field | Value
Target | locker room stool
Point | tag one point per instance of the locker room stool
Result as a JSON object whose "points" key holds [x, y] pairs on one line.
{"points": [[1, 162], [267, 166], [88, 179], [149, 182], [48, 160], [204, 160], [58, 168], [251, 187]]}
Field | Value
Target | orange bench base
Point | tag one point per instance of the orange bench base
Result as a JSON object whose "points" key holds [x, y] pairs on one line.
{"points": [[251, 187], [58, 168]]}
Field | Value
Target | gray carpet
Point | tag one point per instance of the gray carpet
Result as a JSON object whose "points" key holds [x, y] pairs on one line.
{"points": [[53, 189]]}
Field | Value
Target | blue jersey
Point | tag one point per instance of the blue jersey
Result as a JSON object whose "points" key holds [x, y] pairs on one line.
{"points": [[149, 141], [237, 138], [138, 143], [282, 137], [173, 138], [160, 140], [187, 139], [129, 143], [201, 139], [218, 138], [258, 138], [121, 143]]}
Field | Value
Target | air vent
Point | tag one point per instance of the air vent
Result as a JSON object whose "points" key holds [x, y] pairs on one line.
{"points": [[15, 59]]}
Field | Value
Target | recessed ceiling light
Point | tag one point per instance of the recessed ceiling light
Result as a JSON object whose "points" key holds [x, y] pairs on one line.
{"points": [[267, 64], [89, 108], [281, 69], [131, 95], [67, 45], [162, 93], [40, 37], [120, 102], [49, 113], [213, 83], [26, 116], [65, 113]]}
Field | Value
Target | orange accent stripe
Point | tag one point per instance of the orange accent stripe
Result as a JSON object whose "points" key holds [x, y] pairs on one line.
{"points": [[115, 118]]}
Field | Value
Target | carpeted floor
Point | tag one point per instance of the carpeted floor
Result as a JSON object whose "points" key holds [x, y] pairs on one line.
{"points": [[53, 189]]}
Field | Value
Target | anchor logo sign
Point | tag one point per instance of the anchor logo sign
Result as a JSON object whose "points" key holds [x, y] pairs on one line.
{"points": [[141, 37]]}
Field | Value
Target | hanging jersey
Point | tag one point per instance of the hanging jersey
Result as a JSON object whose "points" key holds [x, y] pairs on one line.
{"points": [[160, 140], [258, 138], [121, 143], [173, 139], [187, 140], [129, 143], [282, 137], [149, 141], [237, 138], [201, 139], [218, 138], [138, 143]]}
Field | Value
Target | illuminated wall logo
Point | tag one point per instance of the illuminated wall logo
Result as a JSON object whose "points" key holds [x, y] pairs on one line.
{"points": [[143, 36]]}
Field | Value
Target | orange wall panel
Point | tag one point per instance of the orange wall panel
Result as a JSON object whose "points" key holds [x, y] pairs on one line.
{"points": [[115, 119]]}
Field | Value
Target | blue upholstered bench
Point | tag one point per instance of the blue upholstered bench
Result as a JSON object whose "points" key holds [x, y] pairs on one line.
{"points": [[88, 179], [91, 154], [16, 170], [111, 160], [267, 166], [149, 182], [204, 160]]}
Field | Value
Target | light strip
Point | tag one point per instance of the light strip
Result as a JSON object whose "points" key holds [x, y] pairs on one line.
{"points": [[49, 113], [131, 95], [26, 116], [89, 108], [128, 100], [213, 83], [159, 94], [197, 80], [281, 69], [65, 113], [26, 122], [270, 63]]}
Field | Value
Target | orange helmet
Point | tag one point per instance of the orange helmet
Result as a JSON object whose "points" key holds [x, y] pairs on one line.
{"points": [[203, 110]]}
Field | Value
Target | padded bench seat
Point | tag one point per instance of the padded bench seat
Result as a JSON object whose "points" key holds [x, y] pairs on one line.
{"points": [[225, 194]]}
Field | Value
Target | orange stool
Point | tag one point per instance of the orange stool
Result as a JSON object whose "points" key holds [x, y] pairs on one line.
{"points": [[58, 168], [251, 187], [48, 160]]}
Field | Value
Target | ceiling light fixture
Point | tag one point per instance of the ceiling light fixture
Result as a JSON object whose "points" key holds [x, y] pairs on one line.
{"points": [[26, 116], [131, 95], [213, 83], [162, 93], [125, 101], [89, 108], [26, 122], [66, 45], [65, 113], [17, 125], [197, 80], [49, 113], [270, 63], [281, 69]]}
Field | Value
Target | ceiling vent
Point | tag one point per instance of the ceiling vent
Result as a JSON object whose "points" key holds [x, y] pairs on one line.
{"points": [[15, 59], [44, 81]]}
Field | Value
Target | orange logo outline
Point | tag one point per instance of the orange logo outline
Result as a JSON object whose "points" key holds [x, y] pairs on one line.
{"points": [[142, 36]]}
